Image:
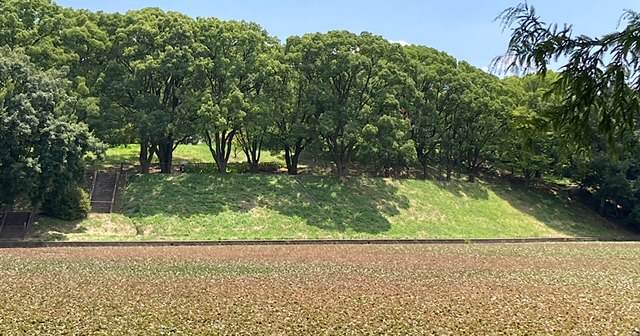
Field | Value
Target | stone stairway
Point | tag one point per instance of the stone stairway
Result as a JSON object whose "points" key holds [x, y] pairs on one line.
{"points": [[103, 192], [14, 225]]}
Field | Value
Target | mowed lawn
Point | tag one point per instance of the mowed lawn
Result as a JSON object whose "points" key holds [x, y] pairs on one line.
{"points": [[242, 206], [523, 289]]}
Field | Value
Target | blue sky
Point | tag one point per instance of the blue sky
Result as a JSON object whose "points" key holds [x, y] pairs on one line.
{"points": [[462, 28]]}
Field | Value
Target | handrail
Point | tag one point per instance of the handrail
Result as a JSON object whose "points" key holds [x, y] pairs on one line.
{"points": [[93, 184], [113, 195]]}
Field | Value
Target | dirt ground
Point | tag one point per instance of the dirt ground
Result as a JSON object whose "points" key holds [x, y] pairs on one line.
{"points": [[580, 289]]}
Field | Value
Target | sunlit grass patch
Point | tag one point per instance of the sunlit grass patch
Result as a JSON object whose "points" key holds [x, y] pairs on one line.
{"points": [[128, 155]]}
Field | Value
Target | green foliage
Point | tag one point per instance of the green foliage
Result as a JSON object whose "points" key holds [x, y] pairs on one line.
{"points": [[232, 64], [42, 143], [144, 82], [613, 182], [233, 167], [531, 146], [430, 95], [68, 202], [594, 99], [35, 27], [353, 79], [457, 113], [598, 84], [294, 102]]}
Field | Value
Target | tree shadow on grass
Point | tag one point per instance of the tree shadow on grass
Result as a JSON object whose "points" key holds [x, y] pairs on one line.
{"points": [[51, 229], [462, 188], [556, 208], [359, 205]]}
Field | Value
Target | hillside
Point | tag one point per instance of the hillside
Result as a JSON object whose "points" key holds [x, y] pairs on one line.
{"points": [[212, 207]]}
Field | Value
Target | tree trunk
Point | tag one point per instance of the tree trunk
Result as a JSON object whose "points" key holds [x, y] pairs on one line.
{"points": [[291, 159], [144, 162], [422, 158], [425, 167], [292, 169], [220, 147], [222, 166], [165, 154], [253, 166], [146, 156], [253, 156], [538, 174], [474, 168], [342, 168], [4, 216]]}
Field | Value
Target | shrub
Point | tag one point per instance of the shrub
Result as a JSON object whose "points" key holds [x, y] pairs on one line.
{"points": [[633, 220], [233, 168], [67, 202], [200, 168]]}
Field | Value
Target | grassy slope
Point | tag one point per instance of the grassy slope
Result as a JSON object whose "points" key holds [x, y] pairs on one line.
{"points": [[191, 206]]}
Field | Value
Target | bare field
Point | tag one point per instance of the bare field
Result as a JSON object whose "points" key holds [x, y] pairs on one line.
{"points": [[383, 289]]}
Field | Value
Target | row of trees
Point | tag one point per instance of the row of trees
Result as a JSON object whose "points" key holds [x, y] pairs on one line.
{"points": [[159, 78]]}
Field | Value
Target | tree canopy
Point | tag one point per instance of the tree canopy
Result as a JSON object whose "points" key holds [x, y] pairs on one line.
{"points": [[598, 84], [43, 144]]}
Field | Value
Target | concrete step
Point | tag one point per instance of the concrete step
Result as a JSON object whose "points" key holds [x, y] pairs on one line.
{"points": [[103, 191], [99, 207], [12, 232], [104, 185]]}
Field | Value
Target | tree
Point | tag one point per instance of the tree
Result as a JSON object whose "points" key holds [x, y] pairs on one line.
{"points": [[230, 71], [294, 98], [432, 93], [56, 37], [87, 46], [43, 144], [482, 121], [353, 78], [35, 26], [599, 84], [612, 181], [145, 81], [259, 120], [531, 146], [256, 127]]}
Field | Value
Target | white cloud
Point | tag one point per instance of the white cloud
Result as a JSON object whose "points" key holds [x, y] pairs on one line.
{"points": [[401, 42]]}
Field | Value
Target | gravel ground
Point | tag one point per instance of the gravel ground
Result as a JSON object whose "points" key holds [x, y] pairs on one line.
{"points": [[589, 288]]}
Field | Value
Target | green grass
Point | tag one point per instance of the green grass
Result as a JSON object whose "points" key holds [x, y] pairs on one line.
{"points": [[184, 153], [212, 207]]}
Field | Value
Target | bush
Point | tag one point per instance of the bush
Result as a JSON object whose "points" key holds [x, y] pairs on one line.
{"points": [[68, 203], [633, 220], [200, 168], [233, 168]]}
